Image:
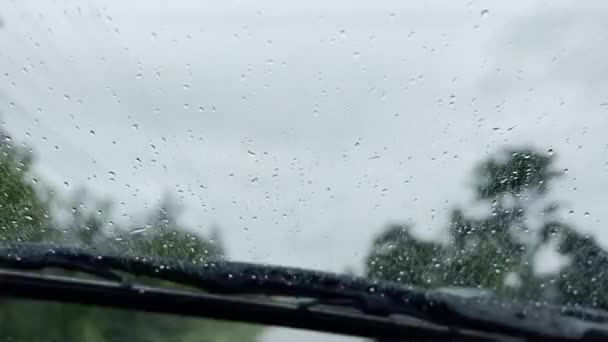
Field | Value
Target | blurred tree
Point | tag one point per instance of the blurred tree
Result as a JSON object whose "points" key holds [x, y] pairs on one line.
{"points": [[581, 282], [399, 256], [494, 251], [24, 215], [86, 221], [162, 236]]}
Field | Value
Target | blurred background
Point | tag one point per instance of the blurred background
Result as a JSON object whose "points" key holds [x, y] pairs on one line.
{"points": [[376, 138]]}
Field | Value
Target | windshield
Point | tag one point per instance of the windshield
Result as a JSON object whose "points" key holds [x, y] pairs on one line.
{"points": [[454, 145]]}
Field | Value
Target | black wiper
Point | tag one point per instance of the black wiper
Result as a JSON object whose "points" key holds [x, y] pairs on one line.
{"points": [[339, 304]]}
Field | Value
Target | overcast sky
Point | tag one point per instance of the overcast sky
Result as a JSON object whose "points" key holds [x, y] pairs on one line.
{"points": [[301, 128]]}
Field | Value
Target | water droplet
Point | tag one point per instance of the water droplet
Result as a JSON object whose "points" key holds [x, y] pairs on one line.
{"points": [[138, 230], [186, 86], [485, 13], [135, 127], [356, 54]]}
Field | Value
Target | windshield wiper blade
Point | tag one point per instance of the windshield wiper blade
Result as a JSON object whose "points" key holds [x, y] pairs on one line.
{"points": [[380, 300], [215, 276], [223, 307]]}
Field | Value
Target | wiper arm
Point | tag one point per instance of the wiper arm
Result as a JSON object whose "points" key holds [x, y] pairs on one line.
{"points": [[373, 300], [221, 277]]}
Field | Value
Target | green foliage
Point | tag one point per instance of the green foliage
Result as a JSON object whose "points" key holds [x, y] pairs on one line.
{"points": [[515, 172], [582, 281], [484, 250], [22, 214], [162, 236], [398, 256]]}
